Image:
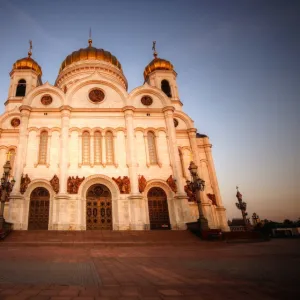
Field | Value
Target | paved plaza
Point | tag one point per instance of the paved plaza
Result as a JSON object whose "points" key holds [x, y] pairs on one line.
{"points": [[145, 265]]}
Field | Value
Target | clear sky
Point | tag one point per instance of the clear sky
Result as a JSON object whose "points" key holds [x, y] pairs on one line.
{"points": [[238, 76]]}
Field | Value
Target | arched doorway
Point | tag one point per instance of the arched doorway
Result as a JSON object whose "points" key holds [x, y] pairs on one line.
{"points": [[98, 208], [39, 209], [158, 209]]}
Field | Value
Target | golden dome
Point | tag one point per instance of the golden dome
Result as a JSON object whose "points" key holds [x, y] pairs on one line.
{"points": [[157, 64], [27, 63], [90, 53]]}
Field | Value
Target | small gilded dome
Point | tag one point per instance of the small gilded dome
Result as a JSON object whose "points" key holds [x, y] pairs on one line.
{"points": [[27, 63], [90, 53], [157, 64]]}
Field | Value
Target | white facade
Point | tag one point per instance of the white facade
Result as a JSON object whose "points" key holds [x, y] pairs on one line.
{"points": [[72, 114]]}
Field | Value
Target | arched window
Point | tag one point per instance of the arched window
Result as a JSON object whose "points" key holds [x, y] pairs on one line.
{"points": [[165, 86], [152, 148], [109, 138], [97, 147], [86, 147], [21, 88], [43, 148]]}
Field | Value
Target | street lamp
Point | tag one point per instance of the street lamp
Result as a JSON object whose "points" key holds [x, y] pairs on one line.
{"points": [[242, 206], [5, 189], [197, 186]]}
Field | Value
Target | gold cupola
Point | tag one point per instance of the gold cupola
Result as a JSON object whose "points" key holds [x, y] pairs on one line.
{"points": [[157, 64], [27, 63], [90, 53]]}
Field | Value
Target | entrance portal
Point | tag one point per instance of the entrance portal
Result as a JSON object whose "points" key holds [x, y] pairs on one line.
{"points": [[39, 209], [98, 208], [158, 209]]}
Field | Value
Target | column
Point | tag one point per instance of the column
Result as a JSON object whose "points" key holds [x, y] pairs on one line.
{"points": [[21, 150], [221, 211], [131, 154], [92, 150], [173, 148], [115, 149], [193, 142], [146, 149], [181, 208], [103, 148], [48, 149], [64, 142], [79, 149], [135, 200]]}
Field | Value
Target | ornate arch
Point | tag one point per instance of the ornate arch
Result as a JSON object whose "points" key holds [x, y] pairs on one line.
{"points": [[100, 179], [98, 79], [149, 90], [45, 88], [161, 184], [39, 183], [185, 118]]}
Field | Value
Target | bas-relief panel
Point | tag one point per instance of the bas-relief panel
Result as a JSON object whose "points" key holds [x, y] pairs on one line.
{"points": [[81, 98], [6, 124], [136, 101], [36, 101]]}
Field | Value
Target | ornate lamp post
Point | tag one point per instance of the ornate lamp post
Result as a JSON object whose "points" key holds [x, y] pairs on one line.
{"points": [[197, 185], [5, 189], [242, 206]]}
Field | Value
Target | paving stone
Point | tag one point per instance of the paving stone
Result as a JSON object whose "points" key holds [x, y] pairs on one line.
{"points": [[69, 293], [170, 292], [49, 293]]}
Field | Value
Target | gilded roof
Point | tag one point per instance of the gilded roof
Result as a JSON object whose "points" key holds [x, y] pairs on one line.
{"points": [[27, 63], [90, 53], [157, 64]]}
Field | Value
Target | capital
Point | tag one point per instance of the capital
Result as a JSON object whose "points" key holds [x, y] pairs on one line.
{"points": [[168, 109]]}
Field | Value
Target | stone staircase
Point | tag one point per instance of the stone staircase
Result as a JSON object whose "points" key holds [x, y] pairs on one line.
{"points": [[96, 238]]}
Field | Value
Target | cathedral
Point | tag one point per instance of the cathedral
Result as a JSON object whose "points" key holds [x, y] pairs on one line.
{"points": [[87, 154]]}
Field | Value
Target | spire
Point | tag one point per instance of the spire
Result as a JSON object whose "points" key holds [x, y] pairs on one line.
{"points": [[30, 48], [90, 38], [154, 49]]}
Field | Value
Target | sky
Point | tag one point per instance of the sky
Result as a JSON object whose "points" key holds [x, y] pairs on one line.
{"points": [[238, 76]]}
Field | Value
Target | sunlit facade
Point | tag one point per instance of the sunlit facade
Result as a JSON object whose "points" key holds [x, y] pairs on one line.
{"points": [[87, 154]]}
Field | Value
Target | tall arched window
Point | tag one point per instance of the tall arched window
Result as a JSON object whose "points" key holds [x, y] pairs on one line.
{"points": [[97, 148], [152, 148], [86, 147], [21, 88], [165, 86], [43, 148], [109, 139]]}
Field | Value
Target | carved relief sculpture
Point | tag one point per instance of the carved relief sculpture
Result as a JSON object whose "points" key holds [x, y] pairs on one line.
{"points": [[96, 95], [15, 122], [172, 184], [73, 184], [123, 184], [46, 100], [191, 195], [146, 100], [55, 184], [24, 183], [212, 197], [142, 183]]}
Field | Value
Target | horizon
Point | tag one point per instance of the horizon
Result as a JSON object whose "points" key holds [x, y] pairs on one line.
{"points": [[238, 77]]}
